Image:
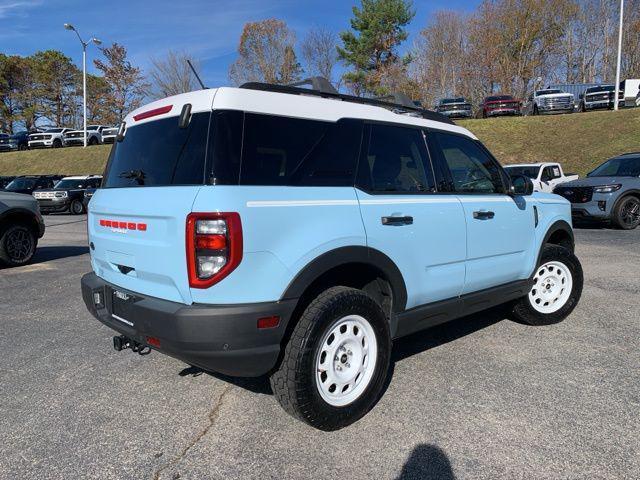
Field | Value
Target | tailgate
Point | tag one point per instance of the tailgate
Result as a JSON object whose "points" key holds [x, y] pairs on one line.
{"points": [[138, 236]]}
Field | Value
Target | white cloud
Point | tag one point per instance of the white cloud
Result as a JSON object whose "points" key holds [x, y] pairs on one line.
{"points": [[15, 7]]}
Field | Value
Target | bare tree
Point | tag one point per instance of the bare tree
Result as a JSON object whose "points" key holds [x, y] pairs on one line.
{"points": [[171, 74], [319, 52], [266, 53]]}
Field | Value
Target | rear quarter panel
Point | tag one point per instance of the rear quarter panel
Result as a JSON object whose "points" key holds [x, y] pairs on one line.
{"points": [[284, 229]]}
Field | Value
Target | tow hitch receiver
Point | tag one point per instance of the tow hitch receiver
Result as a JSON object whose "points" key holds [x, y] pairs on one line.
{"points": [[120, 342]]}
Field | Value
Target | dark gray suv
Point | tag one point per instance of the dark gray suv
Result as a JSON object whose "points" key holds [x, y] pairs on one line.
{"points": [[610, 192]]}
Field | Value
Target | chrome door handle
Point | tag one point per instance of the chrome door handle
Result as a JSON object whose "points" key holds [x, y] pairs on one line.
{"points": [[397, 220], [483, 215]]}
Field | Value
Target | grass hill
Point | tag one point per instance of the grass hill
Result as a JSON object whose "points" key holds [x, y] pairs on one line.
{"points": [[579, 141]]}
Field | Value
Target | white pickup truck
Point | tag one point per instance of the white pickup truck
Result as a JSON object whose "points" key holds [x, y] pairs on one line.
{"points": [[545, 176]]}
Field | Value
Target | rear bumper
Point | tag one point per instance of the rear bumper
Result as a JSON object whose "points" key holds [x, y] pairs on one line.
{"points": [[219, 338]]}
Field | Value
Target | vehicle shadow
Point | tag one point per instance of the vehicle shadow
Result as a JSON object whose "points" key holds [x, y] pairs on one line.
{"points": [[427, 462], [45, 254], [402, 348]]}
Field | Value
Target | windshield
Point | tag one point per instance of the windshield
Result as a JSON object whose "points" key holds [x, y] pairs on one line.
{"points": [[54, 130], [618, 167], [548, 92], [603, 88], [70, 183], [531, 172], [21, 184], [452, 100], [160, 153], [497, 98]]}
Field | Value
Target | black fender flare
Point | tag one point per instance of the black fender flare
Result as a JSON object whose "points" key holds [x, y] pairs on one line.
{"points": [[558, 225], [344, 255]]}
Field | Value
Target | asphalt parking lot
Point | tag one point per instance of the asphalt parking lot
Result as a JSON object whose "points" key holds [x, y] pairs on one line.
{"points": [[482, 397]]}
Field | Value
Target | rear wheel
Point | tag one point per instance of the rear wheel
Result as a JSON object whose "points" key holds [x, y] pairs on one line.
{"points": [[557, 287], [626, 214], [76, 207], [93, 141], [57, 143], [17, 245], [336, 362]]}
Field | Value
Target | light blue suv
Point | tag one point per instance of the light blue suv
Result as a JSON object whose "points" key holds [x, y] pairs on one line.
{"points": [[294, 232], [611, 192]]}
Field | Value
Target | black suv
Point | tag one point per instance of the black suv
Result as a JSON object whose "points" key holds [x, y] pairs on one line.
{"points": [[17, 141], [67, 195], [30, 183]]}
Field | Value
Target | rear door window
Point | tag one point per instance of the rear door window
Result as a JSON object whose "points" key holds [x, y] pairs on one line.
{"points": [[160, 153], [298, 152], [396, 160]]}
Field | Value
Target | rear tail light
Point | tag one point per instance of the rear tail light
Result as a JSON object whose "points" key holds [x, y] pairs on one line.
{"points": [[214, 247]]}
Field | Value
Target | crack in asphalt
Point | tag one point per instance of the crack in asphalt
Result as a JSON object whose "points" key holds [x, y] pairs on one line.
{"points": [[213, 416]]}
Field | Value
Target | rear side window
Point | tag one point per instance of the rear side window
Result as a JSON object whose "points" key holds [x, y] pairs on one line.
{"points": [[298, 152], [472, 169], [159, 153], [396, 160]]}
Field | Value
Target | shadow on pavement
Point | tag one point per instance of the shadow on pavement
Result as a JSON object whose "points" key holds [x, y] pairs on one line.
{"points": [[45, 254], [427, 462], [402, 348]]}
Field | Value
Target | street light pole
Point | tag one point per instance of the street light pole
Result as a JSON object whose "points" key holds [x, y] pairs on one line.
{"points": [[617, 91], [68, 26]]}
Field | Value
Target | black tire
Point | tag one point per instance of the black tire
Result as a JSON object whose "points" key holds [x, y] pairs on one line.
{"points": [[22, 148], [17, 245], [76, 207], [57, 143], [535, 110], [626, 214], [295, 383], [523, 309], [583, 108], [93, 141]]}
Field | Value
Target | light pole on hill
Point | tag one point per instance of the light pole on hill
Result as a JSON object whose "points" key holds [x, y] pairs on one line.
{"points": [[68, 26], [617, 91]]}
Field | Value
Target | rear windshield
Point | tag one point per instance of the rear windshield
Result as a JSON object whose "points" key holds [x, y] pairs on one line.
{"points": [[160, 153]]}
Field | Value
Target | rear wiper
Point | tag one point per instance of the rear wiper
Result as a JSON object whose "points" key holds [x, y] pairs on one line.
{"points": [[138, 175]]}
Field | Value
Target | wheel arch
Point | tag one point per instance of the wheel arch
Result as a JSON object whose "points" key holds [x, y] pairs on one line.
{"points": [[22, 215], [357, 259], [633, 192], [559, 233]]}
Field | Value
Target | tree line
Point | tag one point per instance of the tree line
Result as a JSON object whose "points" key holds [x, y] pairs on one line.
{"points": [[46, 88], [504, 46]]}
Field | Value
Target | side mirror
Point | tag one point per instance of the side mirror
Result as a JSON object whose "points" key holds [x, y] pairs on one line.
{"points": [[520, 185]]}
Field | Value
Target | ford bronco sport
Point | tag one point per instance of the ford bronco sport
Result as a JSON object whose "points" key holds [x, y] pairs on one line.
{"points": [[296, 232]]}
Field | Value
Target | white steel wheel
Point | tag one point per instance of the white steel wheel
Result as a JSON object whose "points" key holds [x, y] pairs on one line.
{"points": [[552, 286], [346, 360]]}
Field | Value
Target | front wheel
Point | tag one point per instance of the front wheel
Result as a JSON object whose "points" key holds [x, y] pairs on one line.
{"points": [[335, 364], [76, 207], [17, 245], [557, 287]]}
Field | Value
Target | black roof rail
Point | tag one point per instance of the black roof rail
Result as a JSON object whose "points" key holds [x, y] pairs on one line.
{"points": [[629, 153], [401, 103], [319, 84]]}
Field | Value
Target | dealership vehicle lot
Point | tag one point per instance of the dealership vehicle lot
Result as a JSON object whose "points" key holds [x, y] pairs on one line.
{"points": [[481, 397]]}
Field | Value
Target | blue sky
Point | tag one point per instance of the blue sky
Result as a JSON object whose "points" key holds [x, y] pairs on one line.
{"points": [[209, 30]]}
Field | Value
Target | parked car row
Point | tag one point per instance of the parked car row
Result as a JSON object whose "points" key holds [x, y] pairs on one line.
{"points": [[544, 101], [55, 193], [66, 137], [56, 137], [610, 193]]}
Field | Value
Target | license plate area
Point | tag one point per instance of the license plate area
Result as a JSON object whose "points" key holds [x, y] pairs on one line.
{"points": [[122, 307]]}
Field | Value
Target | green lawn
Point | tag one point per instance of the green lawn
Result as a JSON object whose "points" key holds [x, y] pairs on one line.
{"points": [[579, 141]]}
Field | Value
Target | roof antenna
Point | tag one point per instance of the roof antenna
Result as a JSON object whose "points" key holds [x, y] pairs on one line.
{"points": [[196, 74]]}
